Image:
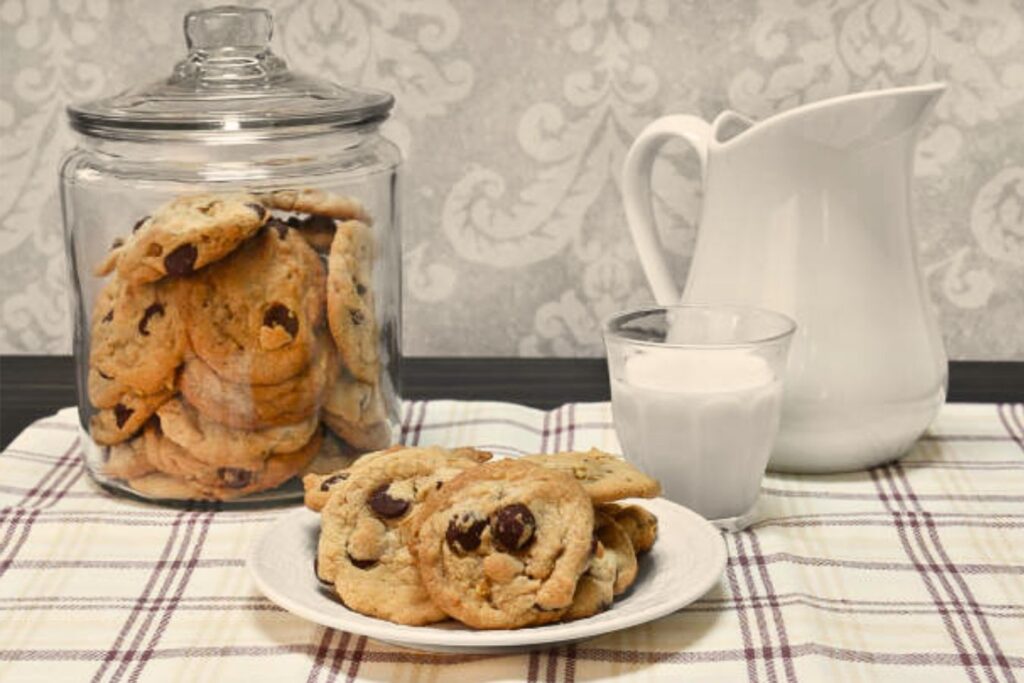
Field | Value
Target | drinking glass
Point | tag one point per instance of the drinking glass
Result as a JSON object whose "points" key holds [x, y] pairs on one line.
{"points": [[696, 400]]}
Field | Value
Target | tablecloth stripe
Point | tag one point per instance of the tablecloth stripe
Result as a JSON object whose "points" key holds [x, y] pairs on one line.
{"points": [[911, 571]]}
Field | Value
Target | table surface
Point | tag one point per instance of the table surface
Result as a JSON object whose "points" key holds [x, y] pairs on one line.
{"points": [[32, 387], [907, 572]]}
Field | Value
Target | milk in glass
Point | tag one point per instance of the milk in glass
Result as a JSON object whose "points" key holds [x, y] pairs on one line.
{"points": [[702, 421]]}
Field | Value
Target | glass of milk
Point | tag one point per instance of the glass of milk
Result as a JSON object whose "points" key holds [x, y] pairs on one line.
{"points": [[696, 399]]}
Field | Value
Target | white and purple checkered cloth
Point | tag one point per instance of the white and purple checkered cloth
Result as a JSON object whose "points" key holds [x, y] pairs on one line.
{"points": [[909, 572]]}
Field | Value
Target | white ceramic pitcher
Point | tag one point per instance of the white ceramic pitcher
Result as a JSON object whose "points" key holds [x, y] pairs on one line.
{"points": [[808, 213]]}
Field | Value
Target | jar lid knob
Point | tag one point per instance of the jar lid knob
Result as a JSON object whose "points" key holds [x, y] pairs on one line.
{"points": [[228, 26], [228, 45]]}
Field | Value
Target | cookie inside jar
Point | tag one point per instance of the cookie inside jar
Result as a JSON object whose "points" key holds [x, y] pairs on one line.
{"points": [[258, 363]]}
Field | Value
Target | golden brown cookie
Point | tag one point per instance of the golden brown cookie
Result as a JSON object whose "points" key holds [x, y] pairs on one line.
{"points": [[203, 481], [188, 233], [595, 590], [160, 486], [127, 460], [137, 339], [366, 525], [125, 418], [355, 411], [604, 476], [616, 542], [213, 443], [318, 202], [503, 545], [350, 308], [260, 406], [318, 485], [254, 316], [360, 437], [638, 523]]}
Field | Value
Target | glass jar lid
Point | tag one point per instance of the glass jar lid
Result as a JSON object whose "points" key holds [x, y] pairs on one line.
{"points": [[230, 81]]}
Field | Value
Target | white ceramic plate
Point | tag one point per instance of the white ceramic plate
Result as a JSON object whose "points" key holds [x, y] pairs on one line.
{"points": [[687, 560]]}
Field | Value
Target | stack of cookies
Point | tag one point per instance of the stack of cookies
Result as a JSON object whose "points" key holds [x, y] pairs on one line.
{"points": [[420, 535], [230, 327]]}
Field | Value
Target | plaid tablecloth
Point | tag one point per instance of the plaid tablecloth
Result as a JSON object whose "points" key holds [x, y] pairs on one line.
{"points": [[910, 572]]}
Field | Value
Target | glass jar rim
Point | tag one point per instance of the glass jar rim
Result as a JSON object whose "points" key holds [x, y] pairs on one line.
{"points": [[611, 326]]}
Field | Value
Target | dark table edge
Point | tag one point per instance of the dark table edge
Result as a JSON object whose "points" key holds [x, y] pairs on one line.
{"points": [[32, 387]]}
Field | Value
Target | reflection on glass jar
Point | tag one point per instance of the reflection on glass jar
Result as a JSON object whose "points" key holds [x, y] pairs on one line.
{"points": [[235, 251]]}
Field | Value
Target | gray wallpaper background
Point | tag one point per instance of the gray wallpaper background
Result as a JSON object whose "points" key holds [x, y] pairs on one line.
{"points": [[514, 118]]}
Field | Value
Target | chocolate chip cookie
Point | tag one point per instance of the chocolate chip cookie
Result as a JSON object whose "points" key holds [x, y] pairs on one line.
{"points": [[188, 233], [595, 590], [253, 317], [616, 541], [503, 545], [125, 418], [354, 410], [318, 485], [128, 460], [211, 442], [137, 339], [604, 476], [638, 523], [182, 476], [611, 571], [350, 308], [317, 202], [260, 406], [366, 526]]}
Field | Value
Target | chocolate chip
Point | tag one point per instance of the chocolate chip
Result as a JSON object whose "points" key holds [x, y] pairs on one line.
{"points": [[182, 260], [356, 316], [117, 243], [260, 210], [234, 477], [121, 414], [138, 223], [361, 564], [316, 223], [384, 505], [109, 316], [512, 527], [464, 532], [360, 289], [294, 221], [280, 315], [280, 226], [151, 310], [330, 481]]}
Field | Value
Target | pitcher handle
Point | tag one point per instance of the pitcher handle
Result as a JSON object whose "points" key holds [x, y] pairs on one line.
{"points": [[636, 190]]}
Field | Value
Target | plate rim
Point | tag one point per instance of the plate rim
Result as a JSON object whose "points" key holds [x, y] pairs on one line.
{"points": [[480, 639]]}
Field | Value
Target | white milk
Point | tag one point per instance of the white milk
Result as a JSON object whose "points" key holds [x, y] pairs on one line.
{"points": [[701, 421]]}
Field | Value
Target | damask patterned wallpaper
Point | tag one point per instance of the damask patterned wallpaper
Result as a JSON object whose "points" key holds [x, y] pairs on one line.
{"points": [[515, 117]]}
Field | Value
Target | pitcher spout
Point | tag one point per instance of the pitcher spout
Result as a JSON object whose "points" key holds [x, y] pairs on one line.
{"points": [[844, 122]]}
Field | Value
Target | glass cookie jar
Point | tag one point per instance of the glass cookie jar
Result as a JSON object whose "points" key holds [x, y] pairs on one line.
{"points": [[234, 251]]}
